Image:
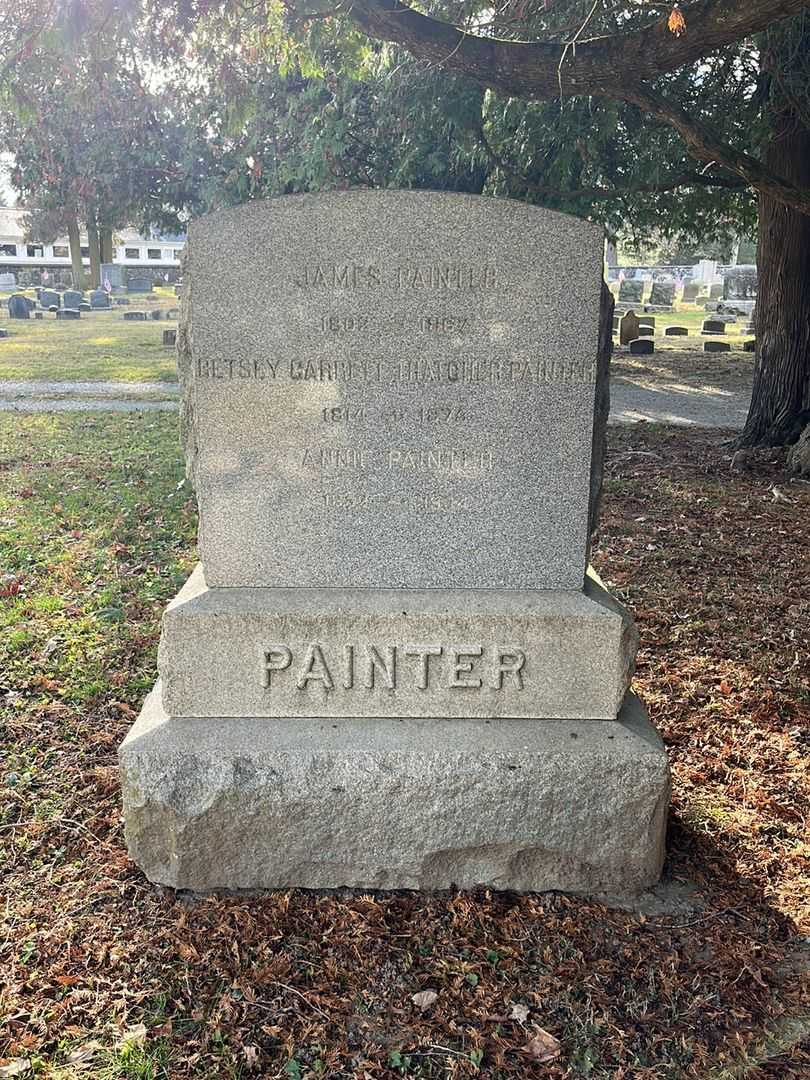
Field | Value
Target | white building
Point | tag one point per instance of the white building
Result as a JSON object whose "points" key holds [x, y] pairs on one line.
{"points": [[159, 255]]}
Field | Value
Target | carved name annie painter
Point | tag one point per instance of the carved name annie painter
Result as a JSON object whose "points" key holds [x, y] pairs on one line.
{"points": [[423, 667]]}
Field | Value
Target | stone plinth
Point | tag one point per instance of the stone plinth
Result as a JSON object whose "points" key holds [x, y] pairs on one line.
{"points": [[389, 804], [376, 652]]}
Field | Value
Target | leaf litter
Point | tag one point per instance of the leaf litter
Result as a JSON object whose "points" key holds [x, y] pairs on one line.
{"points": [[705, 977]]}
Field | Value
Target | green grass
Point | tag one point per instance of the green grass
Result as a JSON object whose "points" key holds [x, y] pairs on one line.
{"points": [[99, 346], [85, 530]]}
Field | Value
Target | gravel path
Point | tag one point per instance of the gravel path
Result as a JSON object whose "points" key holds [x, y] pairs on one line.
{"points": [[27, 390], [678, 403], [664, 403]]}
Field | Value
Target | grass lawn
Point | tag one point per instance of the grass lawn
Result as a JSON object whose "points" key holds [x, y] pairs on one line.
{"points": [[99, 346], [106, 976]]}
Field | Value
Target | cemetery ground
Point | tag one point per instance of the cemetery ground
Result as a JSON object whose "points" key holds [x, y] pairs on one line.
{"points": [[100, 346], [107, 976], [62, 364]]}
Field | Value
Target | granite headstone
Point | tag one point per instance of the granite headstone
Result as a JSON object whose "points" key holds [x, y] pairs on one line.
{"points": [[392, 458], [18, 307], [663, 293], [631, 291]]}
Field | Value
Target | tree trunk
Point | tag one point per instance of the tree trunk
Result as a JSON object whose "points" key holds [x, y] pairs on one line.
{"points": [[75, 242], [780, 403], [95, 255], [105, 238]]}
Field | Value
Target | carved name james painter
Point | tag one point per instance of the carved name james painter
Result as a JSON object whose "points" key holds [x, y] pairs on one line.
{"points": [[434, 276], [365, 666]]}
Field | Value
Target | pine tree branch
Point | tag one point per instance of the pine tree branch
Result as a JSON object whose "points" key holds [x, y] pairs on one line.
{"points": [[595, 67], [705, 145], [601, 193]]}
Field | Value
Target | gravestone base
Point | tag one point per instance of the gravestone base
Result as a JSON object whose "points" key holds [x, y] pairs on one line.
{"points": [[384, 652], [372, 803]]}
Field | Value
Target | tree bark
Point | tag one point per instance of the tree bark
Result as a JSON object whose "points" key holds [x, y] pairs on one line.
{"points": [[75, 242], [105, 237], [780, 403], [95, 255]]}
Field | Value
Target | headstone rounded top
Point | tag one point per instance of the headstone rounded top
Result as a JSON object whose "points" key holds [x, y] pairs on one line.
{"points": [[410, 404]]}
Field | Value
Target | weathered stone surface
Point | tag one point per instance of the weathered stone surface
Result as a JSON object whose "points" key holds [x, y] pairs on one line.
{"points": [[663, 293], [415, 397], [628, 328], [416, 804], [714, 326], [100, 299], [18, 307], [374, 652], [646, 331], [631, 291], [642, 346]]}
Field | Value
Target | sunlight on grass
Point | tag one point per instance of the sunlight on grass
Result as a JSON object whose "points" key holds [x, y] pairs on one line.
{"points": [[100, 346]]}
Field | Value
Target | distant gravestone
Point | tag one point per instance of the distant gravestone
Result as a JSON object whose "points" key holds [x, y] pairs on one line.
{"points": [[628, 328], [99, 299], [392, 457], [169, 338], [18, 307], [84, 306], [676, 331], [135, 316], [663, 293], [740, 283], [714, 326], [66, 314], [646, 331], [122, 301], [692, 290], [49, 298], [3, 332], [139, 285], [8, 281], [716, 346], [716, 291], [642, 347], [157, 314], [112, 274], [39, 314], [631, 291], [646, 320], [173, 313], [72, 298]]}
